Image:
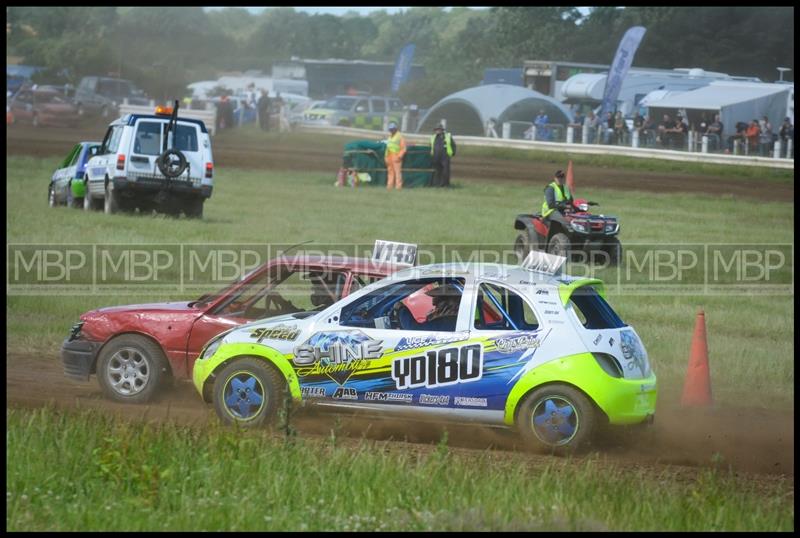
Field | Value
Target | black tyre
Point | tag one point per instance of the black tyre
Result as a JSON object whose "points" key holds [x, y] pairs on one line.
{"points": [[614, 250], [194, 208], [131, 369], [51, 196], [559, 245], [557, 418], [89, 203], [249, 392], [521, 246], [71, 200], [172, 163], [111, 202]]}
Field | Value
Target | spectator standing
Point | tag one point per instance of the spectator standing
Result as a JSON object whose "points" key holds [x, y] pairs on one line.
{"points": [[608, 128], [590, 126], [263, 110], [620, 128], [395, 151], [752, 135], [714, 133], [541, 123], [577, 125], [681, 130], [638, 123], [765, 137], [666, 131], [649, 130], [786, 133], [701, 126], [251, 96], [443, 147], [278, 107]]}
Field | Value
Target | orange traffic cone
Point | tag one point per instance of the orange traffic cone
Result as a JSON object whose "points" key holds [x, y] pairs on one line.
{"points": [[697, 386], [570, 179]]}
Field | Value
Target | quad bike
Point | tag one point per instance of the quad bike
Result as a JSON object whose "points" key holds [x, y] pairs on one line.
{"points": [[588, 236]]}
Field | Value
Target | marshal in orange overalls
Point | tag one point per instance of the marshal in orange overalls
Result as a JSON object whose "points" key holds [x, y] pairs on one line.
{"points": [[395, 151]]}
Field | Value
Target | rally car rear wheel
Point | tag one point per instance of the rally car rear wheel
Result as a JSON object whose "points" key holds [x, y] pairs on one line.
{"points": [[557, 419], [248, 392], [130, 368]]}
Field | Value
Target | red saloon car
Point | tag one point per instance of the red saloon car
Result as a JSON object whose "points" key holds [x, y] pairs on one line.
{"points": [[45, 105], [134, 349]]}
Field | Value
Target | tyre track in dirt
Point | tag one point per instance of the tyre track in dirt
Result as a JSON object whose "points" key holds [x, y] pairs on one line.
{"points": [[289, 156], [751, 441]]}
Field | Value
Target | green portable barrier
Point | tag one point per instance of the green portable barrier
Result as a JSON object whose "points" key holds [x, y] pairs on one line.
{"points": [[366, 156]]}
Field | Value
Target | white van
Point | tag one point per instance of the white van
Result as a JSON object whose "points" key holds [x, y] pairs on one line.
{"points": [[136, 167]]}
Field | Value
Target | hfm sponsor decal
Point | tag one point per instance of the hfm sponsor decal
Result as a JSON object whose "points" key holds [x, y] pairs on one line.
{"points": [[389, 397], [446, 366]]}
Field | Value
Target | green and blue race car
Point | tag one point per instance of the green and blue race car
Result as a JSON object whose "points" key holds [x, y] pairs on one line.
{"points": [[499, 345]]}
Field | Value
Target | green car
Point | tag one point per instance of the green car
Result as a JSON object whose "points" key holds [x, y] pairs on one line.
{"points": [[68, 183]]}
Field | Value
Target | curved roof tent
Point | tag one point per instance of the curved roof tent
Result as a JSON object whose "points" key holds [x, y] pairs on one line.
{"points": [[467, 111]]}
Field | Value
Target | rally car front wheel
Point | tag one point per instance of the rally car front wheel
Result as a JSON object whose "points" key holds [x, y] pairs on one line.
{"points": [[557, 418], [248, 392], [131, 368]]}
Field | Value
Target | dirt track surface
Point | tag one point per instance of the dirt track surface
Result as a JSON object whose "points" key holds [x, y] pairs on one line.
{"points": [[752, 441], [286, 155]]}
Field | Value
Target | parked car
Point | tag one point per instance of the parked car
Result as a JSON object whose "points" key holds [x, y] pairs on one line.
{"points": [[133, 349], [103, 95], [133, 170], [505, 346], [298, 111], [42, 106], [363, 111], [68, 183]]}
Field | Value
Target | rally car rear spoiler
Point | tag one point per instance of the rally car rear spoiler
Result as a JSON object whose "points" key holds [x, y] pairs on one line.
{"points": [[565, 291]]}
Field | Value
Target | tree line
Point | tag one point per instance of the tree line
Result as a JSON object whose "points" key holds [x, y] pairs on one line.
{"points": [[164, 48]]}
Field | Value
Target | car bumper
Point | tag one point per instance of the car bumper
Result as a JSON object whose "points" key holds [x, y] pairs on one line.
{"points": [[154, 186], [630, 401], [78, 358]]}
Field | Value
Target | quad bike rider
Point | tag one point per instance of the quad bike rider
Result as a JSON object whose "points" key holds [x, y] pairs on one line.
{"points": [[565, 227]]}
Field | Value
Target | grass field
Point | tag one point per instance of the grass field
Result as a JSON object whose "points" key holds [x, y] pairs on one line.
{"points": [[86, 470], [750, 336], [93, 473], [250, 135]]}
